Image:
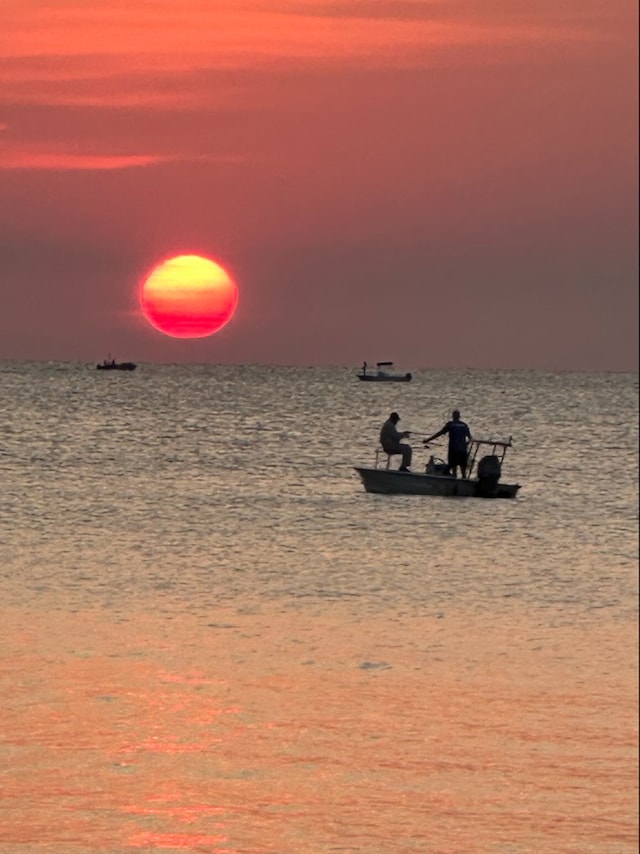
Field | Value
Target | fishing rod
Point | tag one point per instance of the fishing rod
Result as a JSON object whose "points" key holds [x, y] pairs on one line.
{"points": [[426, 445], [422, 435]]}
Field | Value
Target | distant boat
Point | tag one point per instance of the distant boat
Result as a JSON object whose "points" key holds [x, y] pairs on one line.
{"points": [[112, 365], [381, 374]]}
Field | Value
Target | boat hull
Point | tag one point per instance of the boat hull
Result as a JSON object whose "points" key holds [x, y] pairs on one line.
{"points": [[120, 366], [388, 378], [394, 482]]}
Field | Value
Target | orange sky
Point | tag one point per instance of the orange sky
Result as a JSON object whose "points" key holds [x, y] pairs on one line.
{"points": [[440, 181]]}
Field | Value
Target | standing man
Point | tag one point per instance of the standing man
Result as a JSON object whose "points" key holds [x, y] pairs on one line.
{"points": [[390, 439], [459, 438]]}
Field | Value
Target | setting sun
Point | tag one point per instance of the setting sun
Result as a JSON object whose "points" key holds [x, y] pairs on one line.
{"points": [[188, 297]]}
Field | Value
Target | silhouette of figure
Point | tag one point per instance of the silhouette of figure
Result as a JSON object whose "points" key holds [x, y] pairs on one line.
{"points": [[391, 441], [459, 438]]}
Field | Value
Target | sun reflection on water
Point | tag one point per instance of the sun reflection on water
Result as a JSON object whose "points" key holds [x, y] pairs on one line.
{"points": [[306, 734]]}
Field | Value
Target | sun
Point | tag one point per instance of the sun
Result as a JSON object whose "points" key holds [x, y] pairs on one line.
{"points": [[188, 296]]}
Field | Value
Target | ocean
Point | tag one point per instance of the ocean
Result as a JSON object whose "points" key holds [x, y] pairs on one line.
{"points": [[214, 640]]}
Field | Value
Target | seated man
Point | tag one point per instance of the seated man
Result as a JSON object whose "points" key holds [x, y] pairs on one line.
{"points": [[390, 439]]}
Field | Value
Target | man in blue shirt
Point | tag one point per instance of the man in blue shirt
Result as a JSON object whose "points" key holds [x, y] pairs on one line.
{"points": [[459, 438]]}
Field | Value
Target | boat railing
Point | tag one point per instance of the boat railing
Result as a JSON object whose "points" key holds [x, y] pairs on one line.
{"points": [[498, 449]]}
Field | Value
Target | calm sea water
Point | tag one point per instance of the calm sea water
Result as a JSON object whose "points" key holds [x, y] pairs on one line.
{"points": [[215, 641]]}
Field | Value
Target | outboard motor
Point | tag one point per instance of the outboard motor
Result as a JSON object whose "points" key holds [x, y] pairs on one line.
{"points": [[489, 471]]}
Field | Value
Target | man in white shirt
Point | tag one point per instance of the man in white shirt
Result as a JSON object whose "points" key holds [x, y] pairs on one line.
{"points": [[390, 439]]}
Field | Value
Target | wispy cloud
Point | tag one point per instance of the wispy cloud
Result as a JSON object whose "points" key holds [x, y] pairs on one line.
{"points": [[69, 161], [156, 55], [74, 162], [230, 34], [63, 61]]}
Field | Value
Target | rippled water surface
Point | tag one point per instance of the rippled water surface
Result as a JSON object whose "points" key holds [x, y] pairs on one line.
{"points": [[215, 640]]}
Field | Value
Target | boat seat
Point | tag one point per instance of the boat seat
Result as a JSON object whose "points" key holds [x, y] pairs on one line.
{"points": [[380, 455]]}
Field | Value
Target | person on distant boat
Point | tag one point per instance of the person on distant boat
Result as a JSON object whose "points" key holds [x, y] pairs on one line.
{"points": [[391, 440], [459, 438], [364, 369]]}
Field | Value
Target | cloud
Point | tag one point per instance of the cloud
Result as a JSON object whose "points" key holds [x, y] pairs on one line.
{"points": [[74, 162], [236, 35], [120, 55]]}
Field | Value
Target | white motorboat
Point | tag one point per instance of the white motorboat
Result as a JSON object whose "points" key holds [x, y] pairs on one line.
{"points": [[382, 374]]}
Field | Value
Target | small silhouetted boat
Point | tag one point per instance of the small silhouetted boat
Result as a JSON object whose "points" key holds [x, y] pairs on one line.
{"points": [[382, 374], [112, 365], [437, 479]]}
